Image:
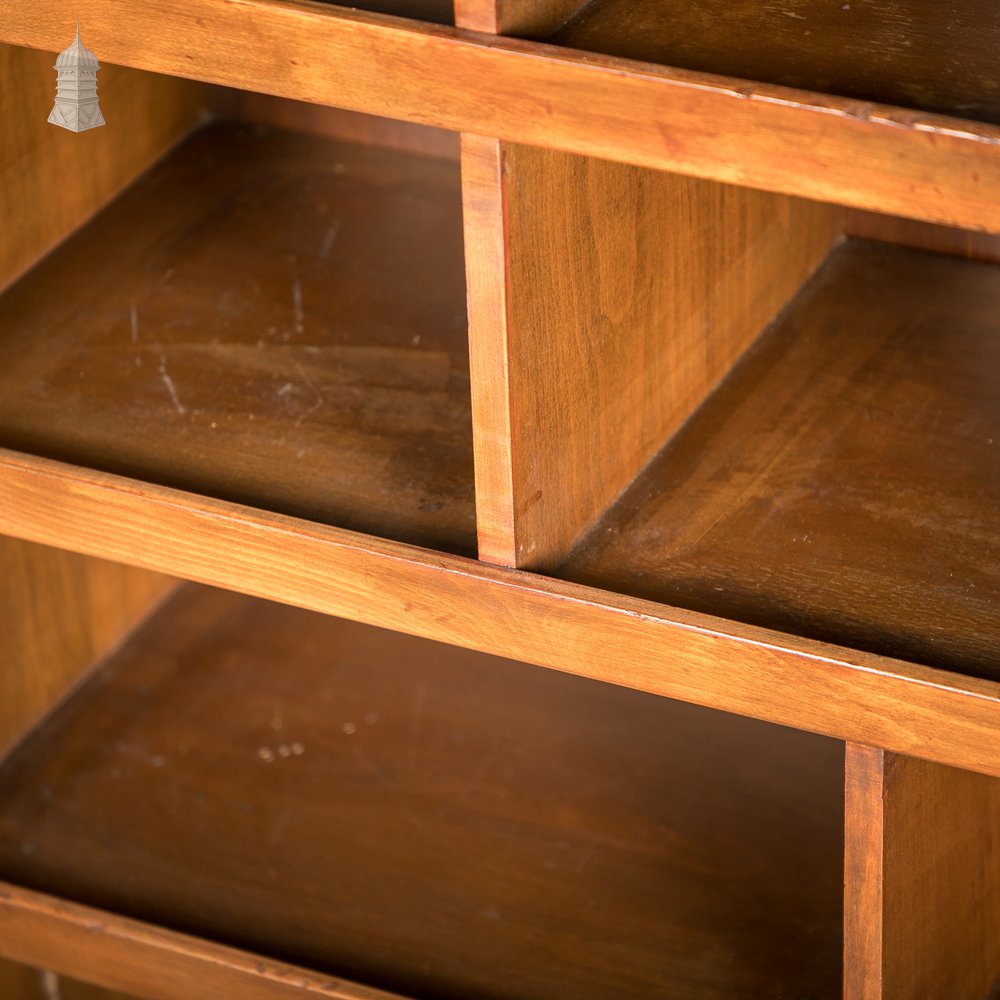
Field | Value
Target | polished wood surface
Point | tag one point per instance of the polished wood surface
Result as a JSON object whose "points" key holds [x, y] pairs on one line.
{"points": [[923, 235], [680, 654], [520, 18], [922, 901], [758, 135], [606, 301], [60, 612], [414, 816], [938, 57], [844, 483], [253, 321], [52, 180], [149, 961]]}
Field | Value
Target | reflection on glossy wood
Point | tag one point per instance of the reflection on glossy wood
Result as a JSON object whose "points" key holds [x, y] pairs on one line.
{"points": [[922, 879], [268, 317], [415, 816], [59, 613], [844, 483], [52, 180], [605, 302], [938, 57]]}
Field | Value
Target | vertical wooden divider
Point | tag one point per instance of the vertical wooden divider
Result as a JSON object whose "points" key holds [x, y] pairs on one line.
{"points": [[605, 302], [922, 879]]}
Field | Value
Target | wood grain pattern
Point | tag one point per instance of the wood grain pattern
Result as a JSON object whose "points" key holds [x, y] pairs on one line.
{"points": [[60, 613], [149, 961], [844, 483], [519, 18], [51, 180], [19, 982], [923, 235], [623, 296], [825, 148], [269, 317], [691, 657], [934, 57], [922, 903], [421, 818], [333, 123]]}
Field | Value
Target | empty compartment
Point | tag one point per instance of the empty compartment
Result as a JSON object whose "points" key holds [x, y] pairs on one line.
{"points": [[843, 483], [429, 820], [936, 57], [267, 316]]}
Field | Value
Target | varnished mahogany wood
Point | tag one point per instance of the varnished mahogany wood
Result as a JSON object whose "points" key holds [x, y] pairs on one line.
{"points": [[430, 820], [605, 302], [938, 57], [149, 961], [844, 482], [52, 180], [758, 135], [663, 650], [922, 871], [59, 613], [267, 317]]}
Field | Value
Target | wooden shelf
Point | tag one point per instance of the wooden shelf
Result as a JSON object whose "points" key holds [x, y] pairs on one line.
{"points": [[938, 58], [266, 317], [429, 820], [843, 483]]}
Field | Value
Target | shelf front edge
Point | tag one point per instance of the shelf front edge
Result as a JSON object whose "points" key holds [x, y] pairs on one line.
{"points": [[858, 154], [779, 678], [121, 954]]}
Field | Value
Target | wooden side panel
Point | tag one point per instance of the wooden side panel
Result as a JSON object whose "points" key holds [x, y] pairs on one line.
{"points": [[521, 18], [333, 123], [19, 982], [923, 235], [52, 180], [606, 301], [922, 893], [60, 613]]}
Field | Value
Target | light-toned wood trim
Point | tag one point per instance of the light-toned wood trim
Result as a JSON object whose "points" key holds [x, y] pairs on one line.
{"points": [[520, 18], [678, 654], [145, 960], [830, 149], [922, 879]]}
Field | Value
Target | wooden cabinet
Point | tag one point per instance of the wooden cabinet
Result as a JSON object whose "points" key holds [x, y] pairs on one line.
{"points": [[371, 361]]}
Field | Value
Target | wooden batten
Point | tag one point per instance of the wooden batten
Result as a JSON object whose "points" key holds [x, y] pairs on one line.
{"points": [[605, 302], [922, 879], [923, 235]]}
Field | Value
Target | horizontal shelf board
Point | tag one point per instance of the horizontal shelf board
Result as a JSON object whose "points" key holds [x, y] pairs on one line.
{"points": [[267, 317], [937, 57], [431, 820], [850, 152], [844, 482], [149, 961], [783, 678]]}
